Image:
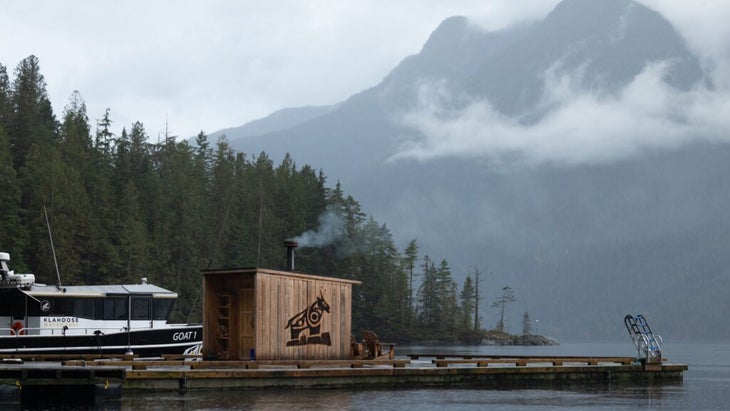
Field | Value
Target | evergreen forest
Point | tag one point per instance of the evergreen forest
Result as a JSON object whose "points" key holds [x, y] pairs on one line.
{"points": [[121, 207]]}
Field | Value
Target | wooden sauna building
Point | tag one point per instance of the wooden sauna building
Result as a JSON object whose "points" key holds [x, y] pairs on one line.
{"points": [[263, 314]]}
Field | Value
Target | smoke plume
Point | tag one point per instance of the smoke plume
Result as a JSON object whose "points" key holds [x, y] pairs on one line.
{"points": [[331, 227]]}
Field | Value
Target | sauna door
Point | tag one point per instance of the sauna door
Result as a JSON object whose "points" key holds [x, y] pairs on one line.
{"points": [[246, 316]]}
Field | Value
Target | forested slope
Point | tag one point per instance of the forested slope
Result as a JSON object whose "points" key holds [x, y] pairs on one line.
{"points": [[121, 207]]}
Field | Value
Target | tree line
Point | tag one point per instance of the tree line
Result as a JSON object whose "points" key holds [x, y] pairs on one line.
{"points": [[121, 207]]}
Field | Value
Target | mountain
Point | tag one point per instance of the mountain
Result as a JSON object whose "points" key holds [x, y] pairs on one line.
{"points": [[470, 147], [608, 42], [280, 120]]}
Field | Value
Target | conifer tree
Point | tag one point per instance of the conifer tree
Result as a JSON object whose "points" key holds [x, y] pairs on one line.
{"points": [[226, 198], [32, 120], [75, 132], [265, 222], [104, 141], [428, 298], [13, 235], [526, 324], [477, 298], [384, 284], [5, 102], [500, 302], [51, 183], [410, 256], [181, 229], [448, 308], [76, 149], [468, 300], [133, 239], [98, 174]]}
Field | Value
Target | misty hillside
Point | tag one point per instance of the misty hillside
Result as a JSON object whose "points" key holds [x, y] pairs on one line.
{"points": [[605, 43], [280, 120], [546, 155]]}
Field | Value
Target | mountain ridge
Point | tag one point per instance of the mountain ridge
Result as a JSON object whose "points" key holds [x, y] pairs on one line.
{"points": [[581, 244]]}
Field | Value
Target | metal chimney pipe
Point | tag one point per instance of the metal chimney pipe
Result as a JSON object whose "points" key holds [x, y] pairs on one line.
{"points": [[290, 245]]}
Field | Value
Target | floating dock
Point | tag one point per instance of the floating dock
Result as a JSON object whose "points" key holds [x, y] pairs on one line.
{"points": [[95, 379], [418, 371]]}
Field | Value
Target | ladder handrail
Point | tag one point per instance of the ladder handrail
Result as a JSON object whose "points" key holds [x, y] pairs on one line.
{"points": [[643, 337]]}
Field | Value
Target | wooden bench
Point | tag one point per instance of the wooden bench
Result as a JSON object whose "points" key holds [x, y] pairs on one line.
{"points": [[387, 350], [372, 348]]}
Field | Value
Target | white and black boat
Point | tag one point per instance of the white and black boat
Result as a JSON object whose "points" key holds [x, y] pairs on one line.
{"points": [[89, 319]]}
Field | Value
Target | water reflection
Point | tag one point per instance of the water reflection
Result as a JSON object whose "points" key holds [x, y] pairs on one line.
{"points": [[705, 387], [591, 397], [573, 397], [323, 400]]}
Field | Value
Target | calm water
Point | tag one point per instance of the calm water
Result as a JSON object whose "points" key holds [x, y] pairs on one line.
{"points": [[706, 386]]}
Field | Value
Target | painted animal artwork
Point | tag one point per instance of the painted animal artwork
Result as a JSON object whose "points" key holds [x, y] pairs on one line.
{"points": [[306, 325]]}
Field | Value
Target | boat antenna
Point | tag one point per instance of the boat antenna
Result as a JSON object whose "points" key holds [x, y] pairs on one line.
{"points": [[53, 250]]}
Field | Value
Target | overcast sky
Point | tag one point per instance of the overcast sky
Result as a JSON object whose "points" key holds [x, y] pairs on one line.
{"points": [[216, 64]]}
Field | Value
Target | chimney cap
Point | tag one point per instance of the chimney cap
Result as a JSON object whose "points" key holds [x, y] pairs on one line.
{"points": [[291, 244]]}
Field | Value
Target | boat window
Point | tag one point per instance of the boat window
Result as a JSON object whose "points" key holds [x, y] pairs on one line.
{"points": [[141, 308], [162, 308], [83, 307], [15, 304], [12, 303], [54, 307], [98, 308], [115, 308]]}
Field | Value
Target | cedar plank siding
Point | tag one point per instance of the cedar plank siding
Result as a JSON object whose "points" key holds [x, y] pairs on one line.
{"points": [[278, 296]]}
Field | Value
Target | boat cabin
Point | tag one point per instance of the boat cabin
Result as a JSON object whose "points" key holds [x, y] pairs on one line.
{"points": [[47, 310], [27, 308]]}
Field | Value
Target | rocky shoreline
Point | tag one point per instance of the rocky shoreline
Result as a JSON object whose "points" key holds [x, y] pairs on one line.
{"points": [[502, 338]]}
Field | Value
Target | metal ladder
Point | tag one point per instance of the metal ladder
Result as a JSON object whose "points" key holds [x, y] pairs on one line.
{"points": [[644, 339]]}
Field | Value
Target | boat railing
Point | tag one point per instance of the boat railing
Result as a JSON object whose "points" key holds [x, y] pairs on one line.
{"points": [[38, 331]]}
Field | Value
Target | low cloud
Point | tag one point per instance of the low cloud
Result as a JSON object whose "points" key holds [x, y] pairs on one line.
{"points": [[703, 25], [580, 127]]}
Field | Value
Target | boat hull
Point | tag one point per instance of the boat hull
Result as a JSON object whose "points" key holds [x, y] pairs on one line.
{"points": [[143, 342]]}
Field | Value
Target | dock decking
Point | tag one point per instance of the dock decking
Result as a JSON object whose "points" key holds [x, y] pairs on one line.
{"points": [[430, 371], [175, 373]]}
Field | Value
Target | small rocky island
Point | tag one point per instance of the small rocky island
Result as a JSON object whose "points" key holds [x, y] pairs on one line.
{"points": [[495, 337]]}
